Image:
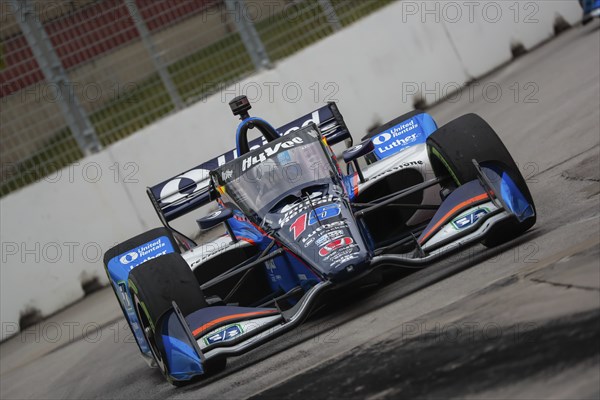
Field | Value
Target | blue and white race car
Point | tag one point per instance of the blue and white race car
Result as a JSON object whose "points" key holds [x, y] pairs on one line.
{"points": [[300, 223], [591, 9]]}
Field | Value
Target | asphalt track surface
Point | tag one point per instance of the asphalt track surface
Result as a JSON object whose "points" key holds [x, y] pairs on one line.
{"points": [[517, 321]]}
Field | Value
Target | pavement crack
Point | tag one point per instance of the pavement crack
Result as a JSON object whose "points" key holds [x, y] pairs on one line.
{"points": [[565, 285], [579, 178]]}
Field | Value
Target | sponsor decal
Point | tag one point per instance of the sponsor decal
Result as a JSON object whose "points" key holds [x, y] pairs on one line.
{"points": [[129, 257], [192, 182], [314, 118], [269, 152], [341, 252], [227, 174], [319, 214], [397, 138], [308, 242], [472, 217], [329, 236], [344, 258], [145, 252], [226, 333], [334, 245], [394, 132], [399, 167], [272, 271], [398, 143], [321, 231], [292, 211]]}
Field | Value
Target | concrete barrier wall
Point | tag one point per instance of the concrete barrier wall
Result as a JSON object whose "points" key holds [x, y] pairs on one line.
{"points": [[55, 231]]}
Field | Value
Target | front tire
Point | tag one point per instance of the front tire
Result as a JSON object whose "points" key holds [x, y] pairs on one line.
{"points": [[154, 286], [128, 246], [451, 151]]}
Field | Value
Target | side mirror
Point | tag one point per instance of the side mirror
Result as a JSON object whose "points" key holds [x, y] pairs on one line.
{"points": [[213, 219], [216, 218], [352, 155]]}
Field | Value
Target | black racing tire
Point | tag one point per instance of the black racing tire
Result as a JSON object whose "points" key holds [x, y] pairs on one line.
{"points": [[133, 243], [453, 147], [154, 285], [160, 281]]}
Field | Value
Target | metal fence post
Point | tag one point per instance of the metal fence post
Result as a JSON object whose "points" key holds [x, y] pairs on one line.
{"points": [[142, 29], [76, 117], [330, 14], [250, 38]]}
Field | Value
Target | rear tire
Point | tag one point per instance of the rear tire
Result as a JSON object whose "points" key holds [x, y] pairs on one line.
{"points": [[453, 147]]}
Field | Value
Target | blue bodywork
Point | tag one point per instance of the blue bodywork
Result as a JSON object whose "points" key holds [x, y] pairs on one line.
{"points": [[182, 358], [401, 135], [514, 200], [285, 272], [589, 6]]}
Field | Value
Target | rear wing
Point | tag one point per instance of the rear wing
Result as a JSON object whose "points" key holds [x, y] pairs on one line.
{"points": [[187, 191]]}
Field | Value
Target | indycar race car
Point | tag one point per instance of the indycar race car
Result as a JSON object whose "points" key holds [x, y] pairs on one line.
{"points": [[591, 9], [299, 223]]}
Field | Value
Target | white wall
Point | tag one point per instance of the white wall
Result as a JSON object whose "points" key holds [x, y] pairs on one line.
{"points": [[373, 67]]}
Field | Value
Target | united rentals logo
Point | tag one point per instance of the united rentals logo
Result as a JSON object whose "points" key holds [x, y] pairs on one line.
{"points": [[145, 252], [129, 257], [269, 152]]}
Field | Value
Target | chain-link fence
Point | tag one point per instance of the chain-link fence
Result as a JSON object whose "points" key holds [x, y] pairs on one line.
{"points": [[79, 75]]}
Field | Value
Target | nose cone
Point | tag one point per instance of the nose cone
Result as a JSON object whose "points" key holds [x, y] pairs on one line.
{"points": [[325, 235]]}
